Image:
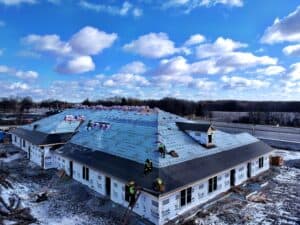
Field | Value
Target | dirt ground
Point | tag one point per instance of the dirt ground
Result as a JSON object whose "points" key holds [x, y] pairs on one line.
{"points": [[70, 203]]}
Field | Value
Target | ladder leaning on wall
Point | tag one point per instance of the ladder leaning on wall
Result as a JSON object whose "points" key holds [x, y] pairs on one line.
{"points": [[130, 208]]}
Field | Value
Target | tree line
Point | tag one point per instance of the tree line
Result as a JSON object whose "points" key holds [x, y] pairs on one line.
{"points": [[257, 112], [177, 106]]}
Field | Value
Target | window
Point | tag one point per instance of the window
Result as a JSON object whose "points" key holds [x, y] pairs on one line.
{"points": [[155, 203], [210, 138], [15, 138], [185, 196], [166, 201], [261, 162], [85, 173], [212, 184], [24, 144]]}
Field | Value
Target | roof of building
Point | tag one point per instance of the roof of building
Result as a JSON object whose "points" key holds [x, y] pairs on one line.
{"points": [[135, 133], [192, 126], [40, 138], [174, 176]]}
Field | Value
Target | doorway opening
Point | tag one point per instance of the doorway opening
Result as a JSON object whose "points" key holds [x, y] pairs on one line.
{"points": [[107, 186], [232, 177], [249, 169], [71, 168]]}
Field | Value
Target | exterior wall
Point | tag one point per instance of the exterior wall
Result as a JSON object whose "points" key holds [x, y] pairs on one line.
{"points": [[169, 206], [159, 211], [16, 140], [35, 153], [49, 159], [146, 206], [240, 174]]}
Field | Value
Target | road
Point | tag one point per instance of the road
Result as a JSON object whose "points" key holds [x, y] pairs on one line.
{"points": [[278, 137]]}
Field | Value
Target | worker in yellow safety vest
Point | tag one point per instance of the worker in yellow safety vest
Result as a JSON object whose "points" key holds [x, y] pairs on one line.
{"points": [[162, 150], [132, 193], [148, 166], [159, 185]]}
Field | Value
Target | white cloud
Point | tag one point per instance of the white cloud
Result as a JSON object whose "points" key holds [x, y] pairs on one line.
{"points": [[237, 82], [291, 88], [48, 43], [2, 23], [222, 56], [176, 66], [80, 64], [195, 39], [125, 9], [189, 5], [18, 85], [125, 79], [4, 69], [241, 60], [235, 3], [271, 70], [286, 29], [203, 84], [205, 67], [17, 2], [91, 41], [293, 50], [27, 75], [137, 12], [152, 45], [179, 72], [135, 67], [28, 54], [88, 41], [219, 47], [74, 53], [295, 72]]}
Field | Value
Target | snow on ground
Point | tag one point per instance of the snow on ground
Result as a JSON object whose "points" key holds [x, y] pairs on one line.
{"points": [[69, 202], [287, 155], [282, 194]]}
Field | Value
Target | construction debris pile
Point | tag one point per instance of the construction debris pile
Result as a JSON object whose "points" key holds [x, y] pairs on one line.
{"points": [[141, 109], [11, 210]]}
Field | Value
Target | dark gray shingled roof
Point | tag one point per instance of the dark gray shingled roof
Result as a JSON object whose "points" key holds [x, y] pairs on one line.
{"points": [[174, 176], [40, 138], [183, 126]]}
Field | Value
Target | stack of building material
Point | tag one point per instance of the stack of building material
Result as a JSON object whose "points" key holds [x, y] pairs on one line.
{"points": [[276, 161]]}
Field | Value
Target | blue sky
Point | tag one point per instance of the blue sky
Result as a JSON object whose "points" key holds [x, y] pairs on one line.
{"points": [[192, 49]]}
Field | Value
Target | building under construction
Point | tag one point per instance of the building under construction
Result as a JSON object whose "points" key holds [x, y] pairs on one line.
{"points": [[158, 164]]}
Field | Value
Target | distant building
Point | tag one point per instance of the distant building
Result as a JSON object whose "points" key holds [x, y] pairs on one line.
{"points": [[175, 164]]}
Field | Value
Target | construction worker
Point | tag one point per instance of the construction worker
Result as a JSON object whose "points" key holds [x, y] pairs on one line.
{"points": [[132, 193], [162, 150], [89, 125], [148, 166], [159, 185]]}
